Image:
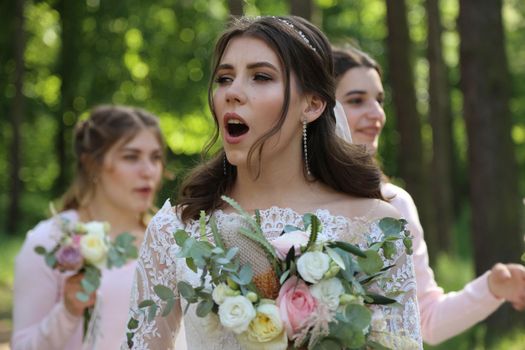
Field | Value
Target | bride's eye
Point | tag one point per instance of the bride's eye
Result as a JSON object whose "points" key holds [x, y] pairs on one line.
{"points": [[262, 77], [223, 79]]}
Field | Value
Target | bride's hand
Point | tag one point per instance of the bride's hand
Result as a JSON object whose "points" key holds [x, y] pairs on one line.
{"points": [[507, 281], [73, 305]]}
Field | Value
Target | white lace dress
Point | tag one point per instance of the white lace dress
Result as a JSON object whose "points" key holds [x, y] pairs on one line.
{"points": [[158, 265]]}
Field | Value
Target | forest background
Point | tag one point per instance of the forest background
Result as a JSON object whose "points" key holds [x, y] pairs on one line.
{"points": [[455, 135]]}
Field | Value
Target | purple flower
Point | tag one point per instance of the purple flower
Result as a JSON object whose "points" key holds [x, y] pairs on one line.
{"points": [[69, 258]]}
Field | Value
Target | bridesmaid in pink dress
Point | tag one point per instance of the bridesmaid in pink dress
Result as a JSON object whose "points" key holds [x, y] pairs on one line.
{"points": [[120, 159], [443, 315]]}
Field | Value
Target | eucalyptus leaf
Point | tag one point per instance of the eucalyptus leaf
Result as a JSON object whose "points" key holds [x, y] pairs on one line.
{"points": [[232, 252], [50, 260], [152, 312], [372, 263], [389, 250], [186, 290], [204, 308], [246, 274], [133, 323], [168, 307], [87, 286], [164, 292], [191, 264], [83, 297], [146, 303], [379, 299], [358, 315], [391, 226], [328, 344], [40, 250], [180, 237], [349, 248], [335, 257], [291, 228]]}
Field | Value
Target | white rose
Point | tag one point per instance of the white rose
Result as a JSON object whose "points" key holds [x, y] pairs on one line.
{"points": [[95, 228], [220, 292], [94, 249], [236, 313], [313, 265], [328, 292]]}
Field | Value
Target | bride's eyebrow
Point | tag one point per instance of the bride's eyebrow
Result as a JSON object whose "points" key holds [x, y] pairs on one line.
{"points": [[227, 66]]}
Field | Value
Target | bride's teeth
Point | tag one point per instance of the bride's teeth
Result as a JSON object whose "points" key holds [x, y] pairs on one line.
{"points": [[234, 121]]}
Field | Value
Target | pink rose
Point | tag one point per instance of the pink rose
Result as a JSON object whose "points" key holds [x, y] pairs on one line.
{"points": [[284, 243], [69, 258], [295, 304]]}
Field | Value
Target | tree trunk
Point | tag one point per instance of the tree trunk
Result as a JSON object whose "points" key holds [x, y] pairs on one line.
{"points": [[17, 114], [71, 14], [412, 167], [301, 8], [494, 193], [440, 114], [236, 7]]}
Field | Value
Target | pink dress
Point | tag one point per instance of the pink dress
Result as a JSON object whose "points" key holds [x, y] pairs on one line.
{"points": [[40, 318], [442, 315]]}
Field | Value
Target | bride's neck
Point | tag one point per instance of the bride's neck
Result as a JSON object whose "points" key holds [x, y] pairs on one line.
{"points": [[274, 187]]}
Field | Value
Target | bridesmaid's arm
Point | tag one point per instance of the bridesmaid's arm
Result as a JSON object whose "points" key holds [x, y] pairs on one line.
{"points": [[41, 321], [443, 315]]}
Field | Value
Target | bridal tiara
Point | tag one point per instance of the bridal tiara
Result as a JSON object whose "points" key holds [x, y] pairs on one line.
{"points": [[298, 31]]}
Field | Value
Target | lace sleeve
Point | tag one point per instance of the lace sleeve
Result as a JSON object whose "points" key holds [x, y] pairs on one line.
{"points": [[397, 325], [156, 265]]}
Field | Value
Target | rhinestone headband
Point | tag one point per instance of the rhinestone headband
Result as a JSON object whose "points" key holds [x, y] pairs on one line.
{"points": [[301, 34]]}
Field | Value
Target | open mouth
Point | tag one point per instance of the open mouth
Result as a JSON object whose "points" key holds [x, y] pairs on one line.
{"points": [[236, 128]]}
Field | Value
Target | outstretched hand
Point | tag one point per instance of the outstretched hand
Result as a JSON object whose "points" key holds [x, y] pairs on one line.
{"points": [[507, 281]]}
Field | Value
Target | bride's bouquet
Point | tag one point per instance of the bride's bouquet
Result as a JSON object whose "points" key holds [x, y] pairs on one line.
{"points": [[297, 290], [87, 248]]}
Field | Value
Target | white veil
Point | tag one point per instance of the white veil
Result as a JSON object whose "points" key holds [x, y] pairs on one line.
{"points": [[341, 123]]}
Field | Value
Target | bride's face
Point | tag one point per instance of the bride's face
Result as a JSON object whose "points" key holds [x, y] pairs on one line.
{"points": [[361, 93], [248, 99]]}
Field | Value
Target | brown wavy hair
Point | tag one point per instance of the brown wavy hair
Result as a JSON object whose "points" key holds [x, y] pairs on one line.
{"points": [[106, 126], [304, 50]]}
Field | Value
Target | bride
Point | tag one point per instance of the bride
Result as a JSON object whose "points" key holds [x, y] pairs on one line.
{"points": [[272, 98]]}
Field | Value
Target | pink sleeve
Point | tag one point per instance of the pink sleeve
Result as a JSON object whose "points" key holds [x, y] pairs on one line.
{"points": [[40, 319], [443, 315]]}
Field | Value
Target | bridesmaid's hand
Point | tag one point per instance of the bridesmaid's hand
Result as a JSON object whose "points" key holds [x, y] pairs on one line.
{"points": [[507, 281], [73, 305]]}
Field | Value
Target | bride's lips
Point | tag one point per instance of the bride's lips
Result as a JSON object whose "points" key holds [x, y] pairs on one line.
{"points": [[235, 128]]}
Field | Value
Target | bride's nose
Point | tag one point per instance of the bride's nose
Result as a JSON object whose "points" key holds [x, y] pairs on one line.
{"points": [[235, 92]]}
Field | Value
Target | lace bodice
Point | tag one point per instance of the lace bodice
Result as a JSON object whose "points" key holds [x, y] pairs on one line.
{"points": [[158, 265]]}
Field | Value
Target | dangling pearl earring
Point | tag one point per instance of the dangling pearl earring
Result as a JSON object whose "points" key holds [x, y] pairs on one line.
{"points": [[224, 165], [305, 149]]}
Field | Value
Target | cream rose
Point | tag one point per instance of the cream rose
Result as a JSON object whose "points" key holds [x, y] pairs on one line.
{"points": [[221, 292], [96, 227], [266, 325], [313, 265], [94, 249], [236, 313], [328, 292]]}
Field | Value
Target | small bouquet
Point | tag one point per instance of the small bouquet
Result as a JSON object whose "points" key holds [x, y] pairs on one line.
{"points": [[295, 291], [86, 248]]}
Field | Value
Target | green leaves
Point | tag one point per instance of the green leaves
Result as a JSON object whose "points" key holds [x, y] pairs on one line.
{"points": [[122, 249], [372, 263]]}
